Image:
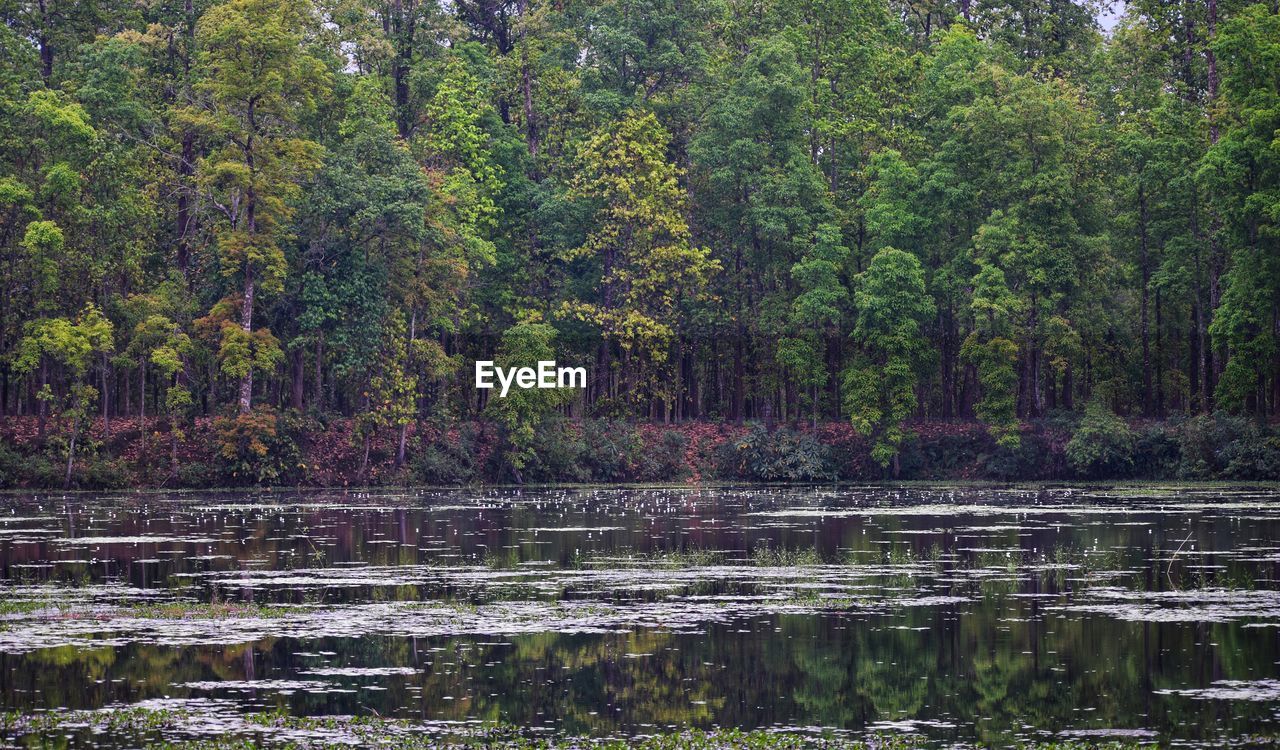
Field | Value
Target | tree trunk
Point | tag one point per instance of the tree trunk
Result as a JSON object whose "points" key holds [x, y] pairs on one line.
{"points": [[739, 394], [317, 398], [246, 323], [43, 406], [1195, 397], [1145, 267], [298, 383], [186, 217], [142, 404], [1217, 354], [173, 443], [71, 453], [530, 115], [1159, 361], [1068, 388], [106, 411]]}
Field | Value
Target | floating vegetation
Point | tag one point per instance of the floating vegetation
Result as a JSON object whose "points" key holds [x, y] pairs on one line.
{"points": [[907, 617], [1232, 690], [158, 729]]}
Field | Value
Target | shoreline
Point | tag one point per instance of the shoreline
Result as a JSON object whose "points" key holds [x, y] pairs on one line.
{"points": [[309, 451]]}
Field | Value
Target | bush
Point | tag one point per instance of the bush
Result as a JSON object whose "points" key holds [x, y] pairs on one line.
{"points": [[1221, 446], [559, 453], [612, 450], [11, 467], [1008, 461], [97, 473], [1103, 446], [446, 460], [1155, 453], [605, 451], [260, 447], [779, 456], [948, 452], [664, 459], [198, 474], [1254, 456]]}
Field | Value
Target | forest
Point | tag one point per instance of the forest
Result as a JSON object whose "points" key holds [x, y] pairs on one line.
{"points": [[233, 227]]}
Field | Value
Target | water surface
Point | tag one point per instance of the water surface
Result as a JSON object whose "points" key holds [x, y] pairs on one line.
{"points": [[960, 615]]}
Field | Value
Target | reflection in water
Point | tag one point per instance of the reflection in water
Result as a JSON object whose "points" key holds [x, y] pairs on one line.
{"points": [[967, 614]]}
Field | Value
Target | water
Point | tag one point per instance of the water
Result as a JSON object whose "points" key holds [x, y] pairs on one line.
{"points": [[956, 615]]}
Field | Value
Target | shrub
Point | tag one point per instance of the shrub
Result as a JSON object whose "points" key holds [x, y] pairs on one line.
{"points": [[97, 473], [612, 450], [947, 452], [663, 460], [559, 453], [92, 470], [1102, 445], [851, 455], [197, 474], [1199, 440], [1222, 446], [259, 447], [11, 467], [449, 459], [1254, 456], [1008, 460], [1156, 453], [1038, 455], [779, 456]]}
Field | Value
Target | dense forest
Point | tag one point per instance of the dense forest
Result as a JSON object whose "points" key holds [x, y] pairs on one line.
{"points": [[880, 212]]}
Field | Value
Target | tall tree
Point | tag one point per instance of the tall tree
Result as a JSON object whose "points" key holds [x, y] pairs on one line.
{"points": [[256, 79], [638, 243], [880, 385]]}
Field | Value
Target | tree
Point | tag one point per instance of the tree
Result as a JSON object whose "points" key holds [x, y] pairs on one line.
{"points": [[880, 386], [256, 80], [816, 312], [638, 243], [992, 352], [1243, 171], [71, 344], [390, 390], [523, 409], [760, 200]]}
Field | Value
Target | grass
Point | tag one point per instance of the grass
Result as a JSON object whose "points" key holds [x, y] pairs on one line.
{"points": [[147, 724], [48, 609], [211, 611]]}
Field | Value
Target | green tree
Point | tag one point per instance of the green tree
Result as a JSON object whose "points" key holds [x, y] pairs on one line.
{"points": [[71, 344], [390, 390], [880, 386], [256, 79], [523, 409], [816, 312], [638, 243], [993, 353], [1243, 171]]}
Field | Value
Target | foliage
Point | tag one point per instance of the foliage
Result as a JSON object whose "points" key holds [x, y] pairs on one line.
{"points": [[258, 448], [777, 456], [907, 215], [446, 460], [1103, 444], [639, 237], [880, 388], [521, 410], [1222, 446]]}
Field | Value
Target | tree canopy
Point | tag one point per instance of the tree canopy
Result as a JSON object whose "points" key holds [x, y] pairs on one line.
{"points": [[871, 210]]}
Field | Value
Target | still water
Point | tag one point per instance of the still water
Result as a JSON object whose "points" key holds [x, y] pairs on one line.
{"points": [[956, 614]]}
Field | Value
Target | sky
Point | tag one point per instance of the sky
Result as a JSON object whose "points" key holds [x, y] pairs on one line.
{"points": [[1110, 16]]}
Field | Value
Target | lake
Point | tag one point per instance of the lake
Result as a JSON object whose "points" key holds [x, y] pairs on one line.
{"points": [[944, 614]]}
